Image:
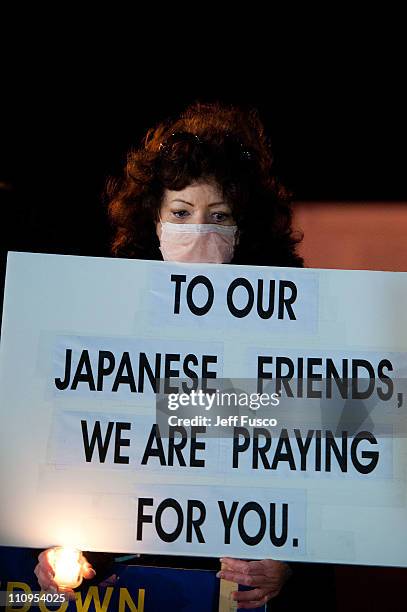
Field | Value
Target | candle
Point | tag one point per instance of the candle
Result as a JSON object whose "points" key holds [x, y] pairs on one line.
{"points": [[67, 566]]}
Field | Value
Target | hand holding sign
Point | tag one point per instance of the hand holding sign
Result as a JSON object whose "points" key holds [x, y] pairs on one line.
{"points": [[267, 577]]}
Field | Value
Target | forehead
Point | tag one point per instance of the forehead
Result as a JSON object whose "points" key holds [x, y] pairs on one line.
{"points": [[196, 193]]}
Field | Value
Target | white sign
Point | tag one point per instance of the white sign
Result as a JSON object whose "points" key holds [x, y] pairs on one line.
{"points": [[85, 342]]}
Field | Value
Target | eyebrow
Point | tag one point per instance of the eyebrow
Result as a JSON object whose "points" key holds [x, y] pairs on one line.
{"points": [[190, 204]]}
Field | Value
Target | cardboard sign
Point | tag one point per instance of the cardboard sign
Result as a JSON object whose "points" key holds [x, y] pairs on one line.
{"points": [[87, 346]]}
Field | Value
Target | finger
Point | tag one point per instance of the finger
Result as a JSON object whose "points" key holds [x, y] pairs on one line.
{"points": [[51, 590], [252, 595], [234, 564], [246, 579], [110, 581], [246, 567], [44, 561], [256, 602], [263, 566], [88, 571], [39, 568], [44, 579], [83, 560], [42, 584], [250, 605]]}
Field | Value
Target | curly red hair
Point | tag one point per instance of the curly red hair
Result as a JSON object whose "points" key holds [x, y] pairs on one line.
{"points": [[228, 146]]}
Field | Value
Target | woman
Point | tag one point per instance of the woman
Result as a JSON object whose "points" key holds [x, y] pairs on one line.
{"points": [[202, 188]]}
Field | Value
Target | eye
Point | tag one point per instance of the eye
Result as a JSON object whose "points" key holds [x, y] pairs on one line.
{"points": [[179, 213], [221, 216]]}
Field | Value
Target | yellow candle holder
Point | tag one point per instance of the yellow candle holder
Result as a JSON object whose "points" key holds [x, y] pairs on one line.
{"points": [[67, 566]]}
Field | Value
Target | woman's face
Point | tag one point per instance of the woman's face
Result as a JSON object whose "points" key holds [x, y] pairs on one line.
{"points": [[197, 203]]}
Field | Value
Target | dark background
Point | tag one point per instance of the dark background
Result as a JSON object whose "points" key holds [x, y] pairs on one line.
{"points": [[337, 123]]}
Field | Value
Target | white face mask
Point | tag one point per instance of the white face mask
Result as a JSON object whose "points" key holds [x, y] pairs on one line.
{"points": [[197, 242]]}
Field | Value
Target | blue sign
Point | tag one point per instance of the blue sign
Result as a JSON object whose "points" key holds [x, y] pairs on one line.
{"points": [[138, 588]]}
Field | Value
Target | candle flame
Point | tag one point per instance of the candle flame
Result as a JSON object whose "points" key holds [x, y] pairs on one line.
{"points": [[66, 563]]}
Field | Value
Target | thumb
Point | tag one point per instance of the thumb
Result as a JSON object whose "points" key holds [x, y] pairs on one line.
{"points": [[88, 571]]}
